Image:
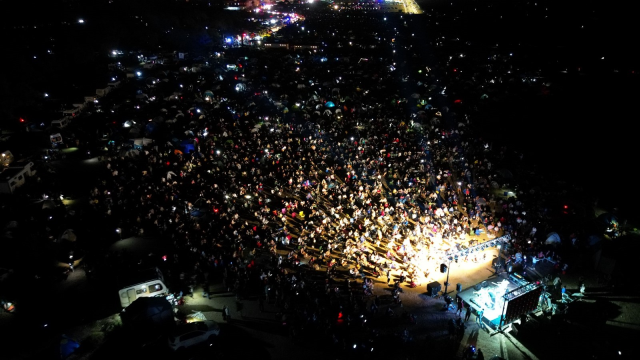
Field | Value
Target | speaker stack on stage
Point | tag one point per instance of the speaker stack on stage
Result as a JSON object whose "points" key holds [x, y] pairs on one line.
{"points": [[433, 288], [443, 268], [458, 287]]}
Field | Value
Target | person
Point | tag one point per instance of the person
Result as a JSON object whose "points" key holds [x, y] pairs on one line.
{"points": [[479, 318], [563, 292], [467, 314], [460, 328], [479, 355], [557, 283], [390, 311], [447, 302], [225, 313], [452, 329]]}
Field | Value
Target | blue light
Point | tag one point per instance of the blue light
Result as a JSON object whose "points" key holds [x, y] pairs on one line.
{"points": [[228, 40]]}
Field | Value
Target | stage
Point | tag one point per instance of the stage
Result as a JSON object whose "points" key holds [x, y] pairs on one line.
{"points": [[489, 295]]}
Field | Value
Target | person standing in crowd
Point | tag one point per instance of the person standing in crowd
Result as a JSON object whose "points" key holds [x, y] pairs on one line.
{"points": [[460, 306], [467, 314], [225, 313]]}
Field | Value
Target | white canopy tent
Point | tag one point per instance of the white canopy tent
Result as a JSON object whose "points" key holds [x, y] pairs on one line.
{"points": [[553, 238]]}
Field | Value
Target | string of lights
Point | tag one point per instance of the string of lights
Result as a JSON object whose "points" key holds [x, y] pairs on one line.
{"points": [[453, 255]]}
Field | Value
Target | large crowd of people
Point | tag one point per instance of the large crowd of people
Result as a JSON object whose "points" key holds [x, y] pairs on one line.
{"points": [[306, 207]]}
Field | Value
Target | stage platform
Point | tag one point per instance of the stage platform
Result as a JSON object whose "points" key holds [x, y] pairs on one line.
{"points": [[488, 295]]}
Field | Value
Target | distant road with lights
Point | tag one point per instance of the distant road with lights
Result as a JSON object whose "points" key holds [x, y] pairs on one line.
{"points": [[411, 7]]}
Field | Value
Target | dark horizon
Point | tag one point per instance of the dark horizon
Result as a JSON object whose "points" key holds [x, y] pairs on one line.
{"points": [[580, 125]]}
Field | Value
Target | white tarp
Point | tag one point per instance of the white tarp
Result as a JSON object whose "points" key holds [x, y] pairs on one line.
{"points": [[142, 141]]}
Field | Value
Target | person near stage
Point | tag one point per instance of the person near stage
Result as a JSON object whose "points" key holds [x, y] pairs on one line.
{"points": [[467, 314], [565, 296], [479, 316]]}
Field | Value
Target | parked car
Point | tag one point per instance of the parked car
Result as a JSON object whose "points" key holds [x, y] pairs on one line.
{"points": [[191, 334]]}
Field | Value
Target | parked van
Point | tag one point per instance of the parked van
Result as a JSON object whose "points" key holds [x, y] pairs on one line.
{"points": [[59, 124], [147, 283]]}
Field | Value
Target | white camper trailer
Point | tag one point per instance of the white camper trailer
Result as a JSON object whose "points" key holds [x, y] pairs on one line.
{"points": [[148, 283]]}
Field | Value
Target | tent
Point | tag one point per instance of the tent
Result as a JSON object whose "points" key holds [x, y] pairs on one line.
{"points": [[67, 346], [609, 220], [140, 142], [201, 205], [505, 173], [130, 153], [553, 238], [135, 129], [49, 204], [187, 146], [68, 235]]}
